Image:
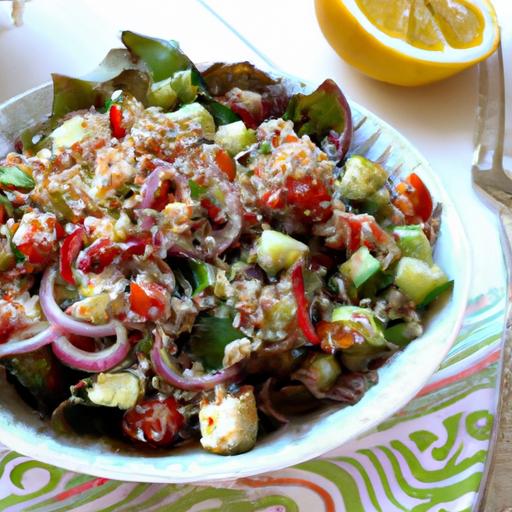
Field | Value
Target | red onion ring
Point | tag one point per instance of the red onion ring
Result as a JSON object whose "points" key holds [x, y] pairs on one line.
{"points": [[61, 320], [229, 233], [265, 403], [163, 365], [164, 171], [43, 337], [93, 362]]}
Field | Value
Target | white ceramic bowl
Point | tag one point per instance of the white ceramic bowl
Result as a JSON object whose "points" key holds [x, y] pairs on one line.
{"points": [[22, 430]]}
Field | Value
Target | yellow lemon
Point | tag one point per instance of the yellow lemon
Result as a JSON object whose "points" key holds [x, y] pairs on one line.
{"points": [[409, 42]]}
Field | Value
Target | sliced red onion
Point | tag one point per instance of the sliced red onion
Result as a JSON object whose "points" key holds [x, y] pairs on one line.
{"points": [[166, 368], [285, 345], [58, 318], [43, 337], [229, 233], [162, 172], [266, 405], [93, 362]]}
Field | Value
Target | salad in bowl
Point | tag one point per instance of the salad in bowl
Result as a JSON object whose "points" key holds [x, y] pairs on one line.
{"points": [[200, 255]]}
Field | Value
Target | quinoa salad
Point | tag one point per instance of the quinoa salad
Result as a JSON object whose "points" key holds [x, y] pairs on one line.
{"points": [[196, 255]]}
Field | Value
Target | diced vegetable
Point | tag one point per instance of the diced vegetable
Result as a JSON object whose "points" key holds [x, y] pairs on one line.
{"points": [[277, 251], [361, 178], [116, 121], [362, 320], [163, 95], [68, 252], [414, 199], [203, 275], [235, 137], [230, 424], [436, 293], [148, 300], [413, 242], [14, 177], [92, 309], [195, 112], [153, 422], [325, 370], [418, 279], [121, 390], [403, 333], [69, 132], [303, 314], [226, 164], [360, 266], [183, 83]]}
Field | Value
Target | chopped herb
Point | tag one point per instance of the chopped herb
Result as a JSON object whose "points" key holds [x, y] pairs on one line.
{"points": [[15, 177]]}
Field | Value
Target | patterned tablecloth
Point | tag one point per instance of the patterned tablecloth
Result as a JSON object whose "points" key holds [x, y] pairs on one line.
{"points": [[428, 457]]}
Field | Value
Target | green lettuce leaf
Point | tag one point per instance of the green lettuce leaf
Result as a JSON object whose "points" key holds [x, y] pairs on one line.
{"points": [[14, 177], [324, 115]]}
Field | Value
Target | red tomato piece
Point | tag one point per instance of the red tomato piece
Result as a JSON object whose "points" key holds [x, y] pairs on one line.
{"points": [[307, 195], [303, 317], [226, 164], [161, 197], [147, 300], [98, 256], [68, 252], [153, 422], [135, 245], [414, 199], [116, 119]]}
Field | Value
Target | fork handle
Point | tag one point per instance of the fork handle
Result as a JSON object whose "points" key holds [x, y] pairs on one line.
{"points": [[496, 496]]}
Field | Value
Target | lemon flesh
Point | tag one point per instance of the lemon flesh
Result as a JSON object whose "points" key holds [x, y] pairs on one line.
{"points": [[409, 42]]}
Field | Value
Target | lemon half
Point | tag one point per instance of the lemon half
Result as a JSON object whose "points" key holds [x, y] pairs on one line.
{"points": [[409, 42]]}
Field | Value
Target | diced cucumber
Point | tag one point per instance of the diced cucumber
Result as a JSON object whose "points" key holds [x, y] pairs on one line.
{"points": [[195, 112], [435, 293], [418, 279], [360, 266], [235, 137], [376, 201], [276, 251], [68, 133], [121, 390], [361, 320], [326, 369], [162, 94], [413, 242], [92, 309], [361, 178], [403, 333]]}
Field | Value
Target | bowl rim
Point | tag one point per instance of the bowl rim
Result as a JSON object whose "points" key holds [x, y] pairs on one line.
{"points": [[61, 455]]}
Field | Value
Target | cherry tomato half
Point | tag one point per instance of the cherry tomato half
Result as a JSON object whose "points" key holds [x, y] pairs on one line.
{"points": [[154, 422]]}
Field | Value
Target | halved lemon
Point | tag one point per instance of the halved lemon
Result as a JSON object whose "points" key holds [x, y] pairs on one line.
{"points": [[409, 42]]}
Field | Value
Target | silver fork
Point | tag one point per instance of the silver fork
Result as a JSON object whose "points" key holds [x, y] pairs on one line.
{"points": [[492, 164]]}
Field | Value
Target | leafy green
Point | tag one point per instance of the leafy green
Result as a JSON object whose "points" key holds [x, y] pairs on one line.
{"points": [[323, 113], [210, 337], [196, 190], [162, 58], [70, 94], [39, 377], [221, 113], [203, 275], [6, 205], [14, 177]]}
